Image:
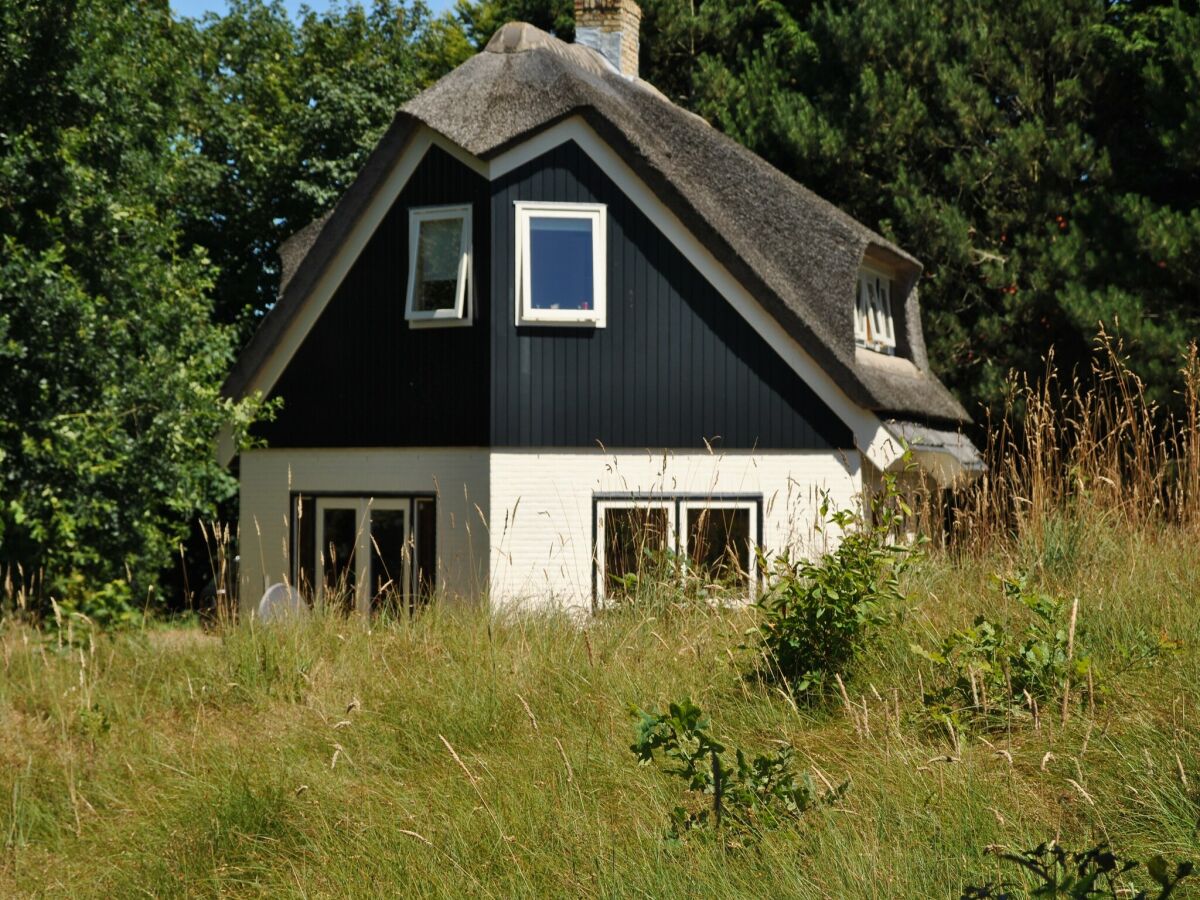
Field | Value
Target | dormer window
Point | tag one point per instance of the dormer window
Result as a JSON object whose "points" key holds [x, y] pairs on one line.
{"points": [[873, 324], [439, 266]]}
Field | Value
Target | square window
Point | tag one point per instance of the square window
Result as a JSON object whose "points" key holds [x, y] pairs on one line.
{"points": [[633, 537], [635, 542], [439, 266], [561, 264]]}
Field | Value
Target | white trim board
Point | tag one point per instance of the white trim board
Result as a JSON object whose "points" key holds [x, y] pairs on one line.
{"points": [[870, 436]]}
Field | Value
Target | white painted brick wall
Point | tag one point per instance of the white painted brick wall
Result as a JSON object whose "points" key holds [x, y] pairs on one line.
{"points": [[528, 514], [541, 506]]}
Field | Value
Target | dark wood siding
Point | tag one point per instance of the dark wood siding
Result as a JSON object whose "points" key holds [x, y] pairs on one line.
{"points": [[362, 377], [676, 364]]}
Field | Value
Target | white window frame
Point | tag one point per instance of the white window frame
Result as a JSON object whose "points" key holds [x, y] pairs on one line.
{"points": [[361, 539], [602, 507], [592, 318], [463, 310], [363, 549], [751, 506], [874, 325]]}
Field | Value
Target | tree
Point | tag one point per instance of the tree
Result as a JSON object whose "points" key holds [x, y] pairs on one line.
{"points": [[1039, 157], [110, 362], [281, 116]]}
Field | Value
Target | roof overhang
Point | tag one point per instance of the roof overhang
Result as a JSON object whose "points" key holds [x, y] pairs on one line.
{"points": [[948, 457]]}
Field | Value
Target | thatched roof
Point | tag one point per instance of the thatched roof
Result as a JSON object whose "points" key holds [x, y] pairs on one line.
{"points": [[796, 253]]}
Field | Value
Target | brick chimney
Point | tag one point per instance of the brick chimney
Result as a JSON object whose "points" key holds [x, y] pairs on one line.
{"points": [[610, 27]]}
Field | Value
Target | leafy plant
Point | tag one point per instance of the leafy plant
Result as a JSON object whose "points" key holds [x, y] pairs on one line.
{"points": [[1079, 874], [816, 616], [984, 674], [109, 356], [746, 796]]}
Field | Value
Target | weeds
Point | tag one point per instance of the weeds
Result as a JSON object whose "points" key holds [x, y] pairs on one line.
{"points": [[1094, 447], [1095, 872], [743, 798], [984, 676]]}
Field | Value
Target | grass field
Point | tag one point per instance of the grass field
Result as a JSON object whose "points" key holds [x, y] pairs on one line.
{"points": [[458, 754]]}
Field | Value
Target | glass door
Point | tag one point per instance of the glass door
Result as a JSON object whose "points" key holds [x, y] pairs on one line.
{"points": [[339, 529], [389, 555], [366, 554]]}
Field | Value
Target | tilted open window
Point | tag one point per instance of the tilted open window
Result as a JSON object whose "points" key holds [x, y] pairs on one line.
{"points": [[561, 264], [439, 266], [873, 324]]}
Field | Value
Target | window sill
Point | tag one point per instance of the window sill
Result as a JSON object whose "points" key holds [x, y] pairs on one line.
{"points": [[525, 322], [881, 349], [440, 323]]}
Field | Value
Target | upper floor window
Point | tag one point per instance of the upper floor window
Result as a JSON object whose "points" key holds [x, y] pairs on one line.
{"points": [[561, 264], [439, 265], [873, 325]]}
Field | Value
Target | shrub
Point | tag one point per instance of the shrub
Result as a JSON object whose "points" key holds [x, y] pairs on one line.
{"points": [[816, 616], [1080, 874], [745, 797], [984, 675]]}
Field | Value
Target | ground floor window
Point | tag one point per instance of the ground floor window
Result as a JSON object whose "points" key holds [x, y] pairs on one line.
{"points": [[718, 541], [705, 543], [364, 552]]}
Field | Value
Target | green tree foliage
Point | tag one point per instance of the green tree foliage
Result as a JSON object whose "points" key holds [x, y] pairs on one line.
{"points": [[109, 360], [281, 116], [1040, 158]]}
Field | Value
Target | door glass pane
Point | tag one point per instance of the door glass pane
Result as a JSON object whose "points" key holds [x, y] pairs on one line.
{"points": [[387, 555], [560, 254], [426, 548], [634, 540], [439, 252], [719, 545], [306, 545], [337, 551]]}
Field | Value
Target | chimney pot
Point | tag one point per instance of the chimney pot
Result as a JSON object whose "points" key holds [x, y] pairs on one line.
{"points": [[610, 27]]}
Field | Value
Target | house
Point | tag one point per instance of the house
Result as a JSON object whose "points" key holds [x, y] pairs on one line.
{"points": [[558, 321]]}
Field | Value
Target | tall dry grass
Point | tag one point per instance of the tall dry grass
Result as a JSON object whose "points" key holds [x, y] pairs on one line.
{"points": [[1090, 445]]}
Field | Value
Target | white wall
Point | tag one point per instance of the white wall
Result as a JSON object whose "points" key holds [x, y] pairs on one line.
{"points": [[528, 513], [541, 506], [458, 477]]}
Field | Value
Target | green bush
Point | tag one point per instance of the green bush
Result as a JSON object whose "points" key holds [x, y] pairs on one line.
{"points": [[985, 675], [816, 616]]}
